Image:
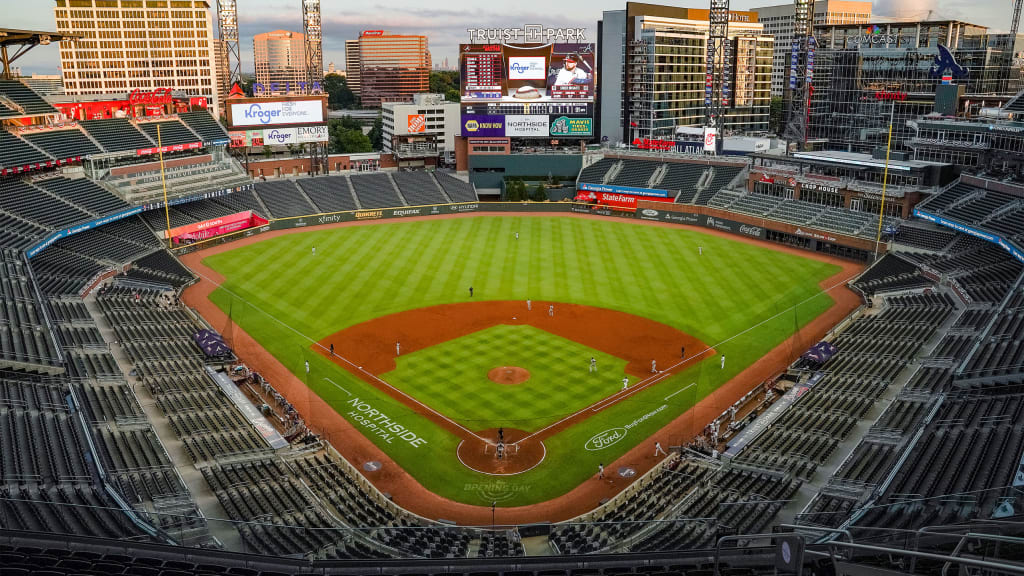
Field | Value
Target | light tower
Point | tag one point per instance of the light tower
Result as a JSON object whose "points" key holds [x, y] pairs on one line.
{"points": [[314, 41], [718, 75], [227, 26], [801, 75]]}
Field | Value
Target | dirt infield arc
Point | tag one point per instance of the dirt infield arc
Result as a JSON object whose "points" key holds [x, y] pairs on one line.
{"points": [[409, 493], [367, 349]]}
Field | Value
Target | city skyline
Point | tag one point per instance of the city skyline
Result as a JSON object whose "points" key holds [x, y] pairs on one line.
{"points": [[446, 26]]}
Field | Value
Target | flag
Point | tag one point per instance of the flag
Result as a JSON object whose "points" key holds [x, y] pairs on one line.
{"points": [[634, 124]]}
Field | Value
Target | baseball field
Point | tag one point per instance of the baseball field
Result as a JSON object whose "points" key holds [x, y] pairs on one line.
{"points": [[430, 374]]}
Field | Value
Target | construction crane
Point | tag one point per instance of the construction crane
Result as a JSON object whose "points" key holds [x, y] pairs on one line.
{"points": [[718, 77], [801, 75], [1015, 23]]}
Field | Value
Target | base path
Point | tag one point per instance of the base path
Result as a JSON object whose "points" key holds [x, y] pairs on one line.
{"points": [[411, 495], [367, 350]]}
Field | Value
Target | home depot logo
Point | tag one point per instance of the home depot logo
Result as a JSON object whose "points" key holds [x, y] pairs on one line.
{"points": [[417, 123]]}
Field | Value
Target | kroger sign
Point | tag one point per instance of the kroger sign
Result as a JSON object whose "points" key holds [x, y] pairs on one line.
{"points": [[277, 113]]}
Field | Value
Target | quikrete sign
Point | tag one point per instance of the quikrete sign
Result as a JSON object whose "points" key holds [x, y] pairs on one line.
{"points": [[897, 96]]}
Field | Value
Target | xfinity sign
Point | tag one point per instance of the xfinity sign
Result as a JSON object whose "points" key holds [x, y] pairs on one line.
{"points": [[526, 126]]}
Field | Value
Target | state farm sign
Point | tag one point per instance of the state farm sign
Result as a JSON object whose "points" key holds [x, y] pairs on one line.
{"points": [[897, 96], [662, 145]]}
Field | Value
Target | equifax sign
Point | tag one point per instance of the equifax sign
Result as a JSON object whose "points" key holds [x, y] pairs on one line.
{"points": [[897, 96]]}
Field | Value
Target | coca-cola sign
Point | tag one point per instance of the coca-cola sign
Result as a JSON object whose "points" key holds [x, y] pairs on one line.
{"points": [[158, 96]]}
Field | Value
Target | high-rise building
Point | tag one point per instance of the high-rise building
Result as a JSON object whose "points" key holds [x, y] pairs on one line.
{"points": [[392, 67], [128, 45], [352, 65], [280, 60], [778, 22], [653, 68], [866, 74]]}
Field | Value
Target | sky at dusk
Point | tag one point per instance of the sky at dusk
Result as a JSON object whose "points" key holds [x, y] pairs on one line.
{"points": [[445, 22]]}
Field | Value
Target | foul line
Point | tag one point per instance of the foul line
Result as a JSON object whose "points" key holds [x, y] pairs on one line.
{"points": [[596, 407], [651, 380], [680, 390], [338, 386], [346, 360]]}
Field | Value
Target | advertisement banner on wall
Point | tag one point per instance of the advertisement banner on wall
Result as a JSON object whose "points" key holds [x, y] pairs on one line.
{"points": [[564, 126], [587, 187], [483, 126], [710, 140], [666, 216], [280, 136], [533, 126], [732, 227], [312, 134], [615, 200], [281, 113], [417, 123]]}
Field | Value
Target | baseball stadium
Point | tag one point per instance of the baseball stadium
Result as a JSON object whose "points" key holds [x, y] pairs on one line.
{"points": [[377, 370]]}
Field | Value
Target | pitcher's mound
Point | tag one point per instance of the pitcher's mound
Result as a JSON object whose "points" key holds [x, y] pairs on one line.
{"points": [[508, 375]]}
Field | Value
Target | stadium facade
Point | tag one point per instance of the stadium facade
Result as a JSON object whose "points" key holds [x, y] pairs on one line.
{"points": [[778, 22], [863, 74], [653, 69]]}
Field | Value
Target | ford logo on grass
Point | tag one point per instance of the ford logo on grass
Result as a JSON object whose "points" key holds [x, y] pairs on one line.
{"points": [[602, 440], [649, 212]]}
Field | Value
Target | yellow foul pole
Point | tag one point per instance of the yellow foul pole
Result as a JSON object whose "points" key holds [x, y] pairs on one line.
{"points": [[885, 180], [163, 181]]}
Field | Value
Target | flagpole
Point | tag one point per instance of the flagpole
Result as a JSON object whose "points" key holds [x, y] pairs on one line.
{"points": [[885, 179]]}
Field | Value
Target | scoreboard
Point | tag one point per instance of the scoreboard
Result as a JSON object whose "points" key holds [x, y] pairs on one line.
{"points": [[536, 91]]}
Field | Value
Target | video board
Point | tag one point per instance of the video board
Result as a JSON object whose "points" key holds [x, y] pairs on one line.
{"points": [[528, 90]]}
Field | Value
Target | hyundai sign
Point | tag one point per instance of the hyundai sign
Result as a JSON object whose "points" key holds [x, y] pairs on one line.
{"points": [[265, 113]]}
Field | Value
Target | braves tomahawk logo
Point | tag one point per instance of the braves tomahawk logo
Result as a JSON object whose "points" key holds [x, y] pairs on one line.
{"points": [[946, 65]]}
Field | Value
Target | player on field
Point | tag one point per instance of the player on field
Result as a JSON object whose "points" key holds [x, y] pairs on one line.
{"points": [[658, 450], [600, 471], [625, 382], [654, 366], [551, 310], [398, 348], [593, 364], [307, 367], [529, 305], [314, 250], [470, 291], [723, 361]]}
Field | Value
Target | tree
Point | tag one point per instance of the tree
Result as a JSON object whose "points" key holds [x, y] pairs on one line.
{"points": [[267, 152], [339, 95], [775, 115], [515, 190], [452, 95], [540, 194], [355, 142], [377, 134], [441, 81]]}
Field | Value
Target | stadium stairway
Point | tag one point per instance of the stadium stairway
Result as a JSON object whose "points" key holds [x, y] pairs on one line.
{"points": [[201, 493], [825, 481], [398, 191], [444, 193]]}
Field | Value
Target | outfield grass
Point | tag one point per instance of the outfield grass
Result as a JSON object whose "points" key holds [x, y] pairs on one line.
{"points": [[452, 377], [360, 273]]}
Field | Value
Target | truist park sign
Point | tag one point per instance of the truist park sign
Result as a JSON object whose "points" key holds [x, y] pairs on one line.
{"points": [[529, 34]]}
